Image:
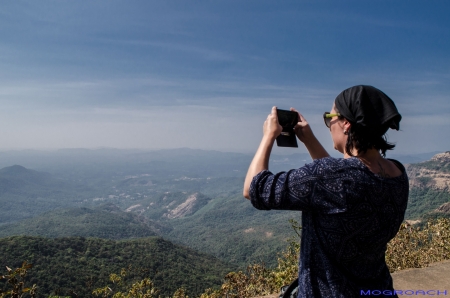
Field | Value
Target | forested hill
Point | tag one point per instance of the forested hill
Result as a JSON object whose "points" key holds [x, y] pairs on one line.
{"points": [[105, 221], [429, 185], [84, 264], [25, 193]]}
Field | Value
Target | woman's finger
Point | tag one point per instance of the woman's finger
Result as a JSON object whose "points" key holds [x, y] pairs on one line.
{"points": [[302, 119], [300, 116]]}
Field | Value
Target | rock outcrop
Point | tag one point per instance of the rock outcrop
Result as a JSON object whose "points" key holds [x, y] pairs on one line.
{"points": [[433, 174], [445, 208], [184, 208], [442, 157]]}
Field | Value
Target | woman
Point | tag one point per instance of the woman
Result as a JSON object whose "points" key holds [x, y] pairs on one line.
{"points": [[351, 206]]}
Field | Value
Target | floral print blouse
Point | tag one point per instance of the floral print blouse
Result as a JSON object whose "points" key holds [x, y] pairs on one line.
{"points": [[349, 214]]}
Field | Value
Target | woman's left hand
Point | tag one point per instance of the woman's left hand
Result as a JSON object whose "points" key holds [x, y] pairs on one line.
{"points": [[272, 128]]}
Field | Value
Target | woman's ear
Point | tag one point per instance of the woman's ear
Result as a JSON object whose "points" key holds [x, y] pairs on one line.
{"points": [[346, 126]]}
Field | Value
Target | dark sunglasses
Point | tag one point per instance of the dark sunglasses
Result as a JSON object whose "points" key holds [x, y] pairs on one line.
{"points": [[327, 118]]}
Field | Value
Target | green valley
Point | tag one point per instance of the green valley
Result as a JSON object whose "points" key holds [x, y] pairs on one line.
{"points": [[79, 265]]}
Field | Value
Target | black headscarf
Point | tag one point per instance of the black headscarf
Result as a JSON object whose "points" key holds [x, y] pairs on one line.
{"points": [[368, 107]]}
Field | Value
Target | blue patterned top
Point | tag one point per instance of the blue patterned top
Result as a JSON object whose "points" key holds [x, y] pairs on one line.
{"points": [[349, 215]]}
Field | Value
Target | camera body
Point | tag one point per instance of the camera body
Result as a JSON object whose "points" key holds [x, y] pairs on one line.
{"points": [[288, 120]]}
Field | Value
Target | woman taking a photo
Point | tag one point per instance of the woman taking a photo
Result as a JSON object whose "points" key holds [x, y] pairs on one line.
{"points": [[351, 206]]}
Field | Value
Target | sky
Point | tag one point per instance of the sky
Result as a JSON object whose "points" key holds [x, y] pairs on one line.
{"points": [[205, 74]]}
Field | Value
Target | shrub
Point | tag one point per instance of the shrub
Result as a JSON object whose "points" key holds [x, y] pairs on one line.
{"points": [[415, 247], [16, 282]]}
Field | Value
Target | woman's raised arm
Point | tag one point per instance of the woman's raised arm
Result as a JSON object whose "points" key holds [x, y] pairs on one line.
{"points": [[260, 162]]}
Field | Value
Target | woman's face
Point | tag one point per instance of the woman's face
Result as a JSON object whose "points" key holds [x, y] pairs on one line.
{"points": [[337, 127]]}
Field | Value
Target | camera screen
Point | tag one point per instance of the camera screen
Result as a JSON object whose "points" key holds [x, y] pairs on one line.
{"points": [[287, 118]]}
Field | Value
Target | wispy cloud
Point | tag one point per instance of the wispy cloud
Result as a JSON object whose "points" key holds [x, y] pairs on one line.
{"points": [[203, 52], [147, 92]]}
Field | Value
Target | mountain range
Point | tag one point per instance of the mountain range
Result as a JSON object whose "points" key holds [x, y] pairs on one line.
{"points": [[189, 197]]}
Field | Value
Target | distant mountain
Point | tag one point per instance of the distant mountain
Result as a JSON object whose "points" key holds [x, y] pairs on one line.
{"points": [[16, 178], [54, 160], [105, 221], [411, 158], [25, 193], [93, 166], [429, 183], [84, 264]]}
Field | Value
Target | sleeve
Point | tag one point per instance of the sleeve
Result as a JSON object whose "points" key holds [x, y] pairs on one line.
{"points": [[314, 186]]}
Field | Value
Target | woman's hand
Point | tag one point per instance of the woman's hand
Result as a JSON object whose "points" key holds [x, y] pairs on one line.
{"points": [[306, 136], [302, 128], [272, 129]]}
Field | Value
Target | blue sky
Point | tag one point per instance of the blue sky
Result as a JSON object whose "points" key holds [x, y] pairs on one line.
{"points": [[204, 74]]}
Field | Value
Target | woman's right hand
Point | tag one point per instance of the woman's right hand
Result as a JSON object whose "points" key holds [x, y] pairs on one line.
{"points": [[305, 135], [302, 128]]}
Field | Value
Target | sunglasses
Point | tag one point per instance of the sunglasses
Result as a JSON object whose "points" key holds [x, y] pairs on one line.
{"points": [[327, 118]]}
